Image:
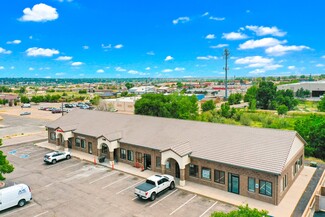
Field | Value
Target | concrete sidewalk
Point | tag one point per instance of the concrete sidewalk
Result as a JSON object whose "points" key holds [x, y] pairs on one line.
{"points": [[31, 138], [284, 209]]}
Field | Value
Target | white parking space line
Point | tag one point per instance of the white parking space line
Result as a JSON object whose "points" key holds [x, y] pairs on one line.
{"points": [[69, 166], [57, 164], [96, 180], [182, 205], [20, 209], [29, 153], [48, 185], [129, 187], [135, 198], [208, 209], [43, 153], [152, 205], [41, 214], [116, 182]]}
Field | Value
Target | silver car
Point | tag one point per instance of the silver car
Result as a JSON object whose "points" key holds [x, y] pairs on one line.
{"points": [[56, 156]]}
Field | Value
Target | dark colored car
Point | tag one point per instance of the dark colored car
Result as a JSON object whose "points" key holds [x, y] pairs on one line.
{"points": [[54, 111]]}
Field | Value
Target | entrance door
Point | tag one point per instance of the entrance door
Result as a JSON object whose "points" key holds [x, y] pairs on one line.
{"points": [[90, 148], [147, 161], [177, 171], [233, 183], [70, 143]]}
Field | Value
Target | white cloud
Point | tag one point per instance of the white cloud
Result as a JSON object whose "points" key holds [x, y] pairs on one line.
{"points": [[30, 37], [77, 63], [81, 75], [320, 65], [261, 30], [237, 68], [14, 42], [323, 57], [64, 58], [31, 69], [106, 46], [59, 73], [209, 57], [39, 13], [280, 50], [220, 46], [210, 36], [234, 36], [4, 51], [118, 46], [148, 68], [168, 58], [179, 69], [133, 72], [46, 52], [181, 20], [120, 69], [248, 11], [205, 14], [85, 47], [272, 67], [217, 18], [257, 71], [151, 53], [12, 67], [254, 60], [1, 67], [100, 71], [167, 70], [264, 42], [291, 67]]}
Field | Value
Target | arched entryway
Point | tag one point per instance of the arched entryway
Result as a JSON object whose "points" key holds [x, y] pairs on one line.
{"points": [[60, 139]]}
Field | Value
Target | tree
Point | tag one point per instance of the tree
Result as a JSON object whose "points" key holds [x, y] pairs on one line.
{"points": [[95, 100], [179, 85], [312, 129], [129, 85], [82, 91], [235, 98], [170, 106], [22, 90], [265, 95], [321, 105], [302, 93], [282, 110], [24, 99], [251, 94], [285, 97], [243, 211], [208, 106], [5, 166]]}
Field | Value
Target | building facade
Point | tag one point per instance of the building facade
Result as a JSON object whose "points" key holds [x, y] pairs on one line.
{"points": [[256, 163]]}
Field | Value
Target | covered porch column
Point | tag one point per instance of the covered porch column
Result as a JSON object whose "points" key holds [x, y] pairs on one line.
{"points": [[112, 145], [62, 138]]}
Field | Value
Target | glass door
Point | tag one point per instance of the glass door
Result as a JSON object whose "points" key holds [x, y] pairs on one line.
{"points": [[233, 183]]}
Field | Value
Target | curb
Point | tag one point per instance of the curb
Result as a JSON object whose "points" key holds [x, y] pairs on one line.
{"points": [[25, 142]]}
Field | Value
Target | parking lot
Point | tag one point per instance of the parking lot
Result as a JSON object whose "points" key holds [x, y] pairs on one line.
{"points": [[78, 188]]}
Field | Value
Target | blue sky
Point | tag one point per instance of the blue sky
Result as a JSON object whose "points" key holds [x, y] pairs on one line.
{"points": [[121, 39]]}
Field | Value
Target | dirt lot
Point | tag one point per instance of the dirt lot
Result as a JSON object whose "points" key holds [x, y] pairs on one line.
{"points": [[77, 188]]}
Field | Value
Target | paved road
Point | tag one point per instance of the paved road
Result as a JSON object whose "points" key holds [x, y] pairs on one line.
{"points": [[78, 188], [18, 125]]}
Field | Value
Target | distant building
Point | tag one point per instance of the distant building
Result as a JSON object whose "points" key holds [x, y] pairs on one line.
{"points": [[142, 90], [125, 104], [317, 88], [10, 97]]}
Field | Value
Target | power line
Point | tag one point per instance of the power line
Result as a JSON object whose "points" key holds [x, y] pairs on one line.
{"points": [[226, 55]]}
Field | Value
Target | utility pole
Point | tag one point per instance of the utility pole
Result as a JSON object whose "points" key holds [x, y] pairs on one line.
{"points": [[226, 55]]}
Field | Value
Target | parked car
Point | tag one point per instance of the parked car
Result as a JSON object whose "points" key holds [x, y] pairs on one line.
{"points": [[54, 111], [12, 194], [68, 105], [84, 106], [80, 104], [154, 185], [26, 105], [56, 156], [25, 113]]}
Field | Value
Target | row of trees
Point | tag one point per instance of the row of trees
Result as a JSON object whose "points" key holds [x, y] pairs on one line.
{"points": [[50, 98]]}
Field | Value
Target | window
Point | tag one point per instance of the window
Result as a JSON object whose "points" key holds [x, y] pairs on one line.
{"points": [[266, 188], [138, 156], [168, 165], [130, 155], [90, 148], [251, 184], [78, 142], [219, 176], [122, 153], [284, 182], [104, 149], [206, 173], [52, 136], [194, 170], [158, 162], [83, 143]]}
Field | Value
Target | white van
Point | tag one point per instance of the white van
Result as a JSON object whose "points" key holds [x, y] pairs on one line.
{"points": [[12, 194]]}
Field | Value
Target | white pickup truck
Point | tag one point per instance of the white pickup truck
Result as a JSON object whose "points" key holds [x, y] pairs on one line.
{"points": [[154, 185]]}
